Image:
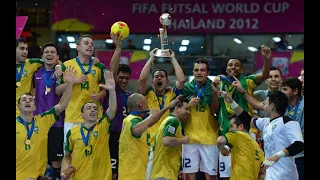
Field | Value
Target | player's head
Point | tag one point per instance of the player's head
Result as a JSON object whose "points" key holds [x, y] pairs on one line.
{"points": [[276, 102], [275, 78], [26, 103], [291, 87], [137, 102], [201, 70], [85, 45], [123, 76], [181, 110], [301, 78], [50, 53], [236, 124], [160, 79], [234, 67], [89, 111], [21, 50]]}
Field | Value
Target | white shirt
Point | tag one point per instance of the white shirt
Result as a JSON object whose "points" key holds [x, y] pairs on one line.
{"points": [[278, 134]]}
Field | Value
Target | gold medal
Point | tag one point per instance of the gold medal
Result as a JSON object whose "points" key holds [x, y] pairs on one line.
{"points": [[48, 89], [18, 84], [27, 142]]}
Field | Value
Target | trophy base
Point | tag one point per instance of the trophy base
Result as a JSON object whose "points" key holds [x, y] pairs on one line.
{"points": [[162, 53]]}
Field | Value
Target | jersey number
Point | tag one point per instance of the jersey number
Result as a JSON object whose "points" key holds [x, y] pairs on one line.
{"points": [[124, 112], [257, 155], [186, 162], [200, 108], [113, 163], [222, 166], [85, 85], [88, 152]]}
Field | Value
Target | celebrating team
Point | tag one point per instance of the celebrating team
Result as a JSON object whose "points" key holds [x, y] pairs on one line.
{"points": [[111, 133]]}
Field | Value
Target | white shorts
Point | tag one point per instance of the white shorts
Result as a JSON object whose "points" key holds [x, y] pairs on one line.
{"points": [[225, 165], [67, 126], [201, 156]]}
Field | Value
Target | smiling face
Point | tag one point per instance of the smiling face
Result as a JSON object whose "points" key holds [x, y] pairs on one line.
{"points": [[21, 52], [234, 67], [50, 55]]}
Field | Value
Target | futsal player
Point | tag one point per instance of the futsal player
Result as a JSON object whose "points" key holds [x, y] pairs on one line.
{"points": [[159, 94], [32, 132], [134, 142], [165, 157], [87, 147]]}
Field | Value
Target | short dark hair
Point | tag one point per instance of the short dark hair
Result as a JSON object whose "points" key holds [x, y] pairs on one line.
{"points": [[124, 68], [275, 68], [293, 83], [182, 100], [202, 61], [29, 94], [85, 104], [160, 70], [238, 122], [82, 37], [280, 101], [19, 41], [50, 44]]}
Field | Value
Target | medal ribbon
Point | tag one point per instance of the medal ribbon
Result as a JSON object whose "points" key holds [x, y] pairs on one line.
{"points": [[29, 131], [161, 106], [19, 75], [84, 137], [295, 109], [144, 113], [199, 93], [84, 72], [47, 80]]}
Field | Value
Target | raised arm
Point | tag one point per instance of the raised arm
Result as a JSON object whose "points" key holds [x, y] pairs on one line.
{"points": [[260, 77], [154, 117], [250, 99], [215, 99], [110, 86], [181, 79], [69, 77], [143, 79], [115, 60]]}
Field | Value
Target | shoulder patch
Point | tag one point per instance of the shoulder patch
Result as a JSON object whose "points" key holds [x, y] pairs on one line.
{"points": [[171, 129]]}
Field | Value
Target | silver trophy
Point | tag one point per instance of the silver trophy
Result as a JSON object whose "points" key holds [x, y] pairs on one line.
{"points": [[165, 20]]}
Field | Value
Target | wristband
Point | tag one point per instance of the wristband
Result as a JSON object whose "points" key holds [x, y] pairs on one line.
{"points": [[281, 154], [233, 105], [57, 66]]}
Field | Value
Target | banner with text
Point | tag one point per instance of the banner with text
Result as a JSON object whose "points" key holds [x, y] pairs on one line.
{"points": [[215, 16], [290, 63], [135, 59]]}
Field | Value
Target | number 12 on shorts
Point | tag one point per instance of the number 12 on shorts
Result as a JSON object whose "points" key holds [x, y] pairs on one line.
{"points": [[186, 162]]}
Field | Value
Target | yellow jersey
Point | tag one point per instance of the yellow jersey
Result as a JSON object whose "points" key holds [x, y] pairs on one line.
{"points": [[157, 102], [92, 162], [36, 151], [202, 126], [244, 149], [30, 66], [133, 151], [81, 92], [166, 160]]}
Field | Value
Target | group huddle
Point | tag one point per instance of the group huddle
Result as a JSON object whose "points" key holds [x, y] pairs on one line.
{"points": [[76, 120]]}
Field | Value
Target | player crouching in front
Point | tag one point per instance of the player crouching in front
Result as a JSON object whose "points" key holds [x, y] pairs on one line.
{"points": [[88, 143], [165, 157]]}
